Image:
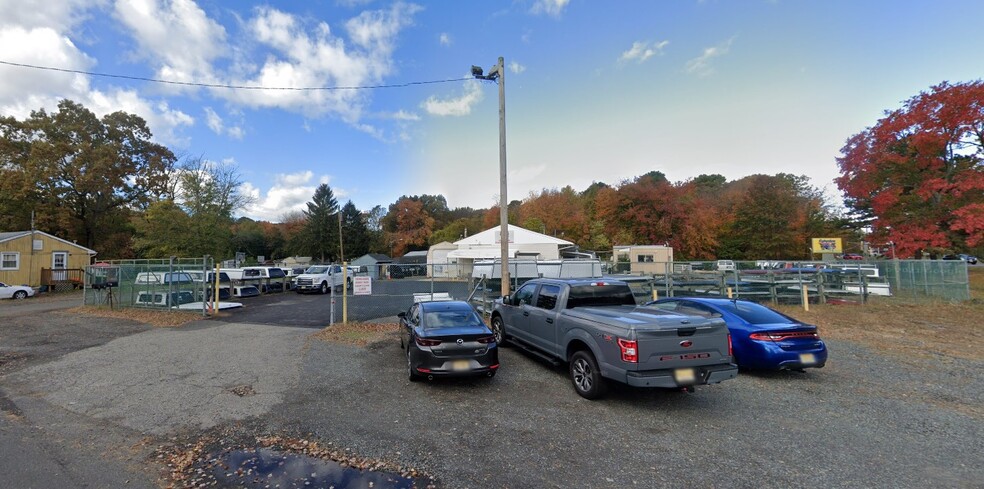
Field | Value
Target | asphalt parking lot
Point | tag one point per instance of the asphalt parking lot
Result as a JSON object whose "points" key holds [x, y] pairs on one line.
{"points": [[90, 398], [388, 298]]}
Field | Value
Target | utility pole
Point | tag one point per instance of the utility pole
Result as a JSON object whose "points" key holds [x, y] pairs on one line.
{"points": [[498, 74]]}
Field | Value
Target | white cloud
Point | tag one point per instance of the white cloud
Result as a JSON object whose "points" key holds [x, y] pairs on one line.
{"points": [[552, 8], [643, 50], [516, 67], [701, 65], [402, 115], [217, 125], [177, 36], [455, 106], [312, 56], [213, 120], [46, 27], [444, 39], [59, 15], [289, 192]]}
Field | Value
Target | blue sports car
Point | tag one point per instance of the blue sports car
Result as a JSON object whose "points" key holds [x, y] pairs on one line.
{"points": [[761, 337]]}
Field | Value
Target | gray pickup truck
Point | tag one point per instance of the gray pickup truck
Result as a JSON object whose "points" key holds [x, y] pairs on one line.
{"points": [[596, 328]]}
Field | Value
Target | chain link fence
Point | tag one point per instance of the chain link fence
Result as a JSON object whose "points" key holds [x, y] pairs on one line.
{"points": [[168, 284], [787, 281], [381, 291]]}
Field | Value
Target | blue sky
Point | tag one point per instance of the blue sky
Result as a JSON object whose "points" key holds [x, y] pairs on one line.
{"points": [[595, 91]]}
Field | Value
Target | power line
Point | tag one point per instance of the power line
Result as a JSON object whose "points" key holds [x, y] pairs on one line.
{"points": [[231, 87]]}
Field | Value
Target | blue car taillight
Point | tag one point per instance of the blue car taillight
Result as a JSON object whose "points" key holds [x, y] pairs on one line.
{"points": [[486, 339]]}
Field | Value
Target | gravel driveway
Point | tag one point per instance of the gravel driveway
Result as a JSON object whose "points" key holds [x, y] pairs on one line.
{"points": [[864, 420]]}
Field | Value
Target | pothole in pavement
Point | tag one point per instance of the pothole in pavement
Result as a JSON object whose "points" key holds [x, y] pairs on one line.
{"points": [[285, 463], [243, 390], [264, 467]]}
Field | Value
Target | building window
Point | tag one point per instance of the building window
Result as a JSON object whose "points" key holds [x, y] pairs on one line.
{"points": [[645, 258], [10, 261]]}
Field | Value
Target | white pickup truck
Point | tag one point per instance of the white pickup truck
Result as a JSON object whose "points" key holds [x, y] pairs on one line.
{"points": [[318, 278]]}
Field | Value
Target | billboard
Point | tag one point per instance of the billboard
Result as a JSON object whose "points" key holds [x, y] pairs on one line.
{"points": [[827, 245]]}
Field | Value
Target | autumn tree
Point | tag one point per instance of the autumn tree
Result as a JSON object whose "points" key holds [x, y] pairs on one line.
{"points": [[293, 225], [413, 226], [82, 175], [916, 176], [555, 212]]}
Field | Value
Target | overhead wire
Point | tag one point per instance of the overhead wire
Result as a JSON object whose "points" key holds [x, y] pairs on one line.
{"points": [[231, 87]]}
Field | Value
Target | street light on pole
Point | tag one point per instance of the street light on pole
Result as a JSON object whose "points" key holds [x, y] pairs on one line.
{"points": [[498, 74]]}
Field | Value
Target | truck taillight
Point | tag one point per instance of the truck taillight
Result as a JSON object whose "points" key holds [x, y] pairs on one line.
{"points": [[731, 352], [630, 352]]}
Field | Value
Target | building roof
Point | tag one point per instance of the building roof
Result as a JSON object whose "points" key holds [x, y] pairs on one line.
{"points": [[413, 257], [517, 236], [12, 235], [373, 257]]}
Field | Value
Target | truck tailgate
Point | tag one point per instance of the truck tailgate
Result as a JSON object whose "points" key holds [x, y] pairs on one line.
{"points": [[672, 341]]}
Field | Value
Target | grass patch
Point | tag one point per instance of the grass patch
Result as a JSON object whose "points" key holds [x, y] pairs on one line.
{"points": [[160, 319], [923, 330], [357, 334]]}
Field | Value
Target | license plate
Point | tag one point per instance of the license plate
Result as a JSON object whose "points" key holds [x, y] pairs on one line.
{"points": [[808, 358], [684, 375], [459, 365]]}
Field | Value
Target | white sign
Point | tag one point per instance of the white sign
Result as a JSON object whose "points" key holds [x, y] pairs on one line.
{"points": [[362, 285]]}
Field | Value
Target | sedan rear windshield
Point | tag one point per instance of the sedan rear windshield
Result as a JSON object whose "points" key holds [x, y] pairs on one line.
{"points": [[600, 295], [755, 313], [452, 318]]}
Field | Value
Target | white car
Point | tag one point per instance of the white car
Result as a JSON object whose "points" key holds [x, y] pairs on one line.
{"points": [[15, 291]]}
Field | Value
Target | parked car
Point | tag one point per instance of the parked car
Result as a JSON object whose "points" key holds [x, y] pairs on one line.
{"points": [[15, 291], [968, 258], [447, 338], [761, 338], [851, 256], [725, 265]]}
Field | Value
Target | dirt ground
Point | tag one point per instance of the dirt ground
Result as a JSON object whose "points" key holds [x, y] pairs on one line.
{"points": [[909, 330]]}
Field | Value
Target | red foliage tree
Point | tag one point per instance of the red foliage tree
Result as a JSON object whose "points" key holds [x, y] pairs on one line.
{"points": [[918, 173]]}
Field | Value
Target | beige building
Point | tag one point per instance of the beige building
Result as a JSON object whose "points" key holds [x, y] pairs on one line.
{"points": [[642, 259], [24, 254]]}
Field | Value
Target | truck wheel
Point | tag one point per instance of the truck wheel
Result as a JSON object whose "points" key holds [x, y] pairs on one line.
{"points": [[324, 288], [411, 373], [498, 330], [586, 376]]}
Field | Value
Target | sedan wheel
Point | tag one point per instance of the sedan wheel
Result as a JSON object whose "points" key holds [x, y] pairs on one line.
{"points": [[498, 330], [586, 377], [411, 373], [20, 294]]}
